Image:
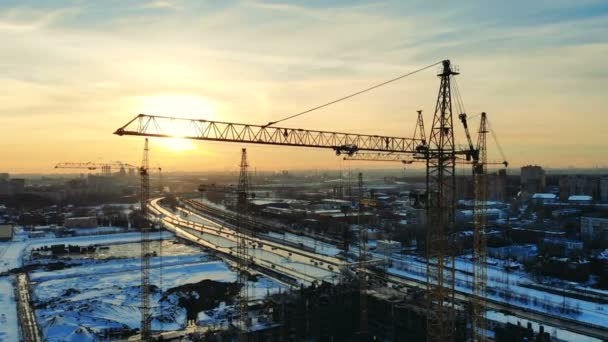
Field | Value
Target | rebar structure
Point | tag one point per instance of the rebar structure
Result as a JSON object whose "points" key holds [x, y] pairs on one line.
{"points": [[440, 184], [146, 318], [242, 253], [479, 236]]}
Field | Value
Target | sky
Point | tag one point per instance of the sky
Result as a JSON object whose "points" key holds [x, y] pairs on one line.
{"points": [[72, 72]]}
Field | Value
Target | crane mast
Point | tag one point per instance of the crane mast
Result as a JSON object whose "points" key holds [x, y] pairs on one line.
{"points": [[440, 184], [479, 236], [146, 318], [242, 252]]}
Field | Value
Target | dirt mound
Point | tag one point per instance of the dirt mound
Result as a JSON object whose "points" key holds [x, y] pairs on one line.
{"points": [[201, 296]]}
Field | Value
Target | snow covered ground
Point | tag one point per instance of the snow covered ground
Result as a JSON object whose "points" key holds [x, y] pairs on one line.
{"points": [[12, 253], [105, 294], [507, 287], [9, 326]]}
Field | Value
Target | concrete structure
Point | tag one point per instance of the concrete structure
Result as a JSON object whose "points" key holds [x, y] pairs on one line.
{"points": [[81, 222], [6, 232], [594, 229], [532, 179], [388, 247]]}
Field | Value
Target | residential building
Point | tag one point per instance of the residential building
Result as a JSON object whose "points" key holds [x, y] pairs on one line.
{"points": [[594, 229], [571, 185], [533, 179]]}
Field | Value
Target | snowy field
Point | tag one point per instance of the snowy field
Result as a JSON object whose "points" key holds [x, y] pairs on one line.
{"points": [[9, 327], [82, 300], [12, 253]]}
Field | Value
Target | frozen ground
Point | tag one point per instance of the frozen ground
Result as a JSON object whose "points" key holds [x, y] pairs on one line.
{"points": [[11, 253], [105, 294], [9, 327]]}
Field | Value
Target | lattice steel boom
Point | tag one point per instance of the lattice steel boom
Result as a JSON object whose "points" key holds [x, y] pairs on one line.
{"points": [[380, 157], [168, 127]]}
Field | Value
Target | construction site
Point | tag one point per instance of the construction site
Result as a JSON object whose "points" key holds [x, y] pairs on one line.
{"points": [[348, 256]]}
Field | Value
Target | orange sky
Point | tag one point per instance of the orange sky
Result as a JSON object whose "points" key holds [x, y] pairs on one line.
{"points": [[71, 75]]}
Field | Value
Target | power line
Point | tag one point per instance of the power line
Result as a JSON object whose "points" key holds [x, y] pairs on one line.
{"points": [[351, 95]]}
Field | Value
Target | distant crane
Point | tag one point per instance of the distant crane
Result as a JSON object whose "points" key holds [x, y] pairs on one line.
{"points": [[106, 168], [480, 276]]}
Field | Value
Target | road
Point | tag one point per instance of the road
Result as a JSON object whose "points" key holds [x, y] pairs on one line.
{"points": [[29, 327], [300, 264]]}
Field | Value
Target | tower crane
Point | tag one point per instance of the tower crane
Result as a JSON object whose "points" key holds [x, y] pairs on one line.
{"points": [[242, 251], [106, 168], [242, 191], [439, 153], [146, 317]]}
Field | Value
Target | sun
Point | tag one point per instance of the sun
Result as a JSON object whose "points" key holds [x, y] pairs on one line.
{"points": [[177, 144], [179, 106]]}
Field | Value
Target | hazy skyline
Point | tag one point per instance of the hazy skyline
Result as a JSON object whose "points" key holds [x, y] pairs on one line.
{"points": [[75, 71]]}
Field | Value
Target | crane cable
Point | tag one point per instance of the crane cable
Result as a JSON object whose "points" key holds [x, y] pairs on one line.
{"points": [[351, 95], [502, 153]]}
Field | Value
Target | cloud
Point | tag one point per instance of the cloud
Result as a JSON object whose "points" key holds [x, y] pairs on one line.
{"points": [[162, 4], [539, 75]]}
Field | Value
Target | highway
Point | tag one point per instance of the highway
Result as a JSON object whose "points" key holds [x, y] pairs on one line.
{"points": [[297, 263], [275, 256]]}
